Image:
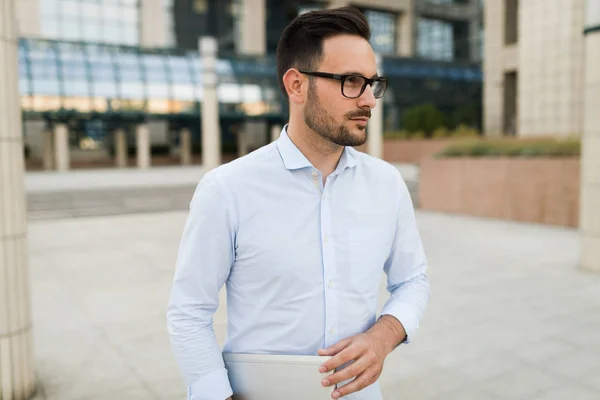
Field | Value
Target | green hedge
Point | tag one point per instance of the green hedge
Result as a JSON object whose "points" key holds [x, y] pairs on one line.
{"points": [[513, 148]]}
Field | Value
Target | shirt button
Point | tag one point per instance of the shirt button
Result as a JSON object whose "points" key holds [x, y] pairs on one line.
{"points": [[326, 239], [315, 174], [331, 330], [330, 284]]}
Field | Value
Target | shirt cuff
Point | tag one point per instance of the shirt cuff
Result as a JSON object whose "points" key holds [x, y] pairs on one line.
{"points": [[212, 386], [403, 313]]}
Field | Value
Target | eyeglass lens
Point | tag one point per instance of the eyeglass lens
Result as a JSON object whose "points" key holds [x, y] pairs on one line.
{"points": [[354, 84]]}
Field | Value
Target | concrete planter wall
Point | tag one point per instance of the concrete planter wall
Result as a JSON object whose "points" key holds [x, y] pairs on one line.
{"points": [[413, 151], [410, 151], [537, 190]]}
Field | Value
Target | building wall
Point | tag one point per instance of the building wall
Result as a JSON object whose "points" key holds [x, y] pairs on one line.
{"points": [[548, 59], [551, 67], [28, 17]]}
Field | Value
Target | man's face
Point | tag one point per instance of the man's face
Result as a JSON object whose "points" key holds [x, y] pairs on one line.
{"points": [[338, 119]]}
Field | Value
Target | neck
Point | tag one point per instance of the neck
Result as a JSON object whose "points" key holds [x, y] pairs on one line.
{"points": [[322, 153]]}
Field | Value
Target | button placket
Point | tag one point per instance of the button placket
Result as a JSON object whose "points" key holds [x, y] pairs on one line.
{"points": [[328, 246]]}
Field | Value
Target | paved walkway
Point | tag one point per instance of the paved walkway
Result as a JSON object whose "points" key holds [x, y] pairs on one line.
{"points": [[126, 178], [511, 316], [84, 193]]}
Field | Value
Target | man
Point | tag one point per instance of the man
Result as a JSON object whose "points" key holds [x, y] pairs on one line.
{"points": [[301, 230]]}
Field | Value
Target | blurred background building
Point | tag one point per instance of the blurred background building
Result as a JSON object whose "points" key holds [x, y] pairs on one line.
{"points": [[534, 60], [94, 72]]}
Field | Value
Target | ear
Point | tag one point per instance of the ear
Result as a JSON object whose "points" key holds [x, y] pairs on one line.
{"points": [[293, 82]]}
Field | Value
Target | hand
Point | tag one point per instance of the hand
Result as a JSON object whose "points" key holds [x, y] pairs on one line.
{"points": [[365, 352]]}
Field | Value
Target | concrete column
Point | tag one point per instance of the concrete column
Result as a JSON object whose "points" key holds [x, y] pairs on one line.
{"points": [[590, 160], [47, 149], [120, 148], [375, 125], [493, 68], [29, 18], [17, 377], [142, 135], [243, 141], [406, 31], [186, 146], [61, 147], [152, 24], [211, 130], [252, 29], [275, 132]]}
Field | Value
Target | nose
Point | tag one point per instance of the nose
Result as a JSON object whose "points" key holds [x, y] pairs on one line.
{"points": [[367, 99]]}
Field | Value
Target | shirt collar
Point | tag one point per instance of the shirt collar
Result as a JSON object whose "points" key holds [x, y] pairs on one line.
{"points": [[294, 159]]}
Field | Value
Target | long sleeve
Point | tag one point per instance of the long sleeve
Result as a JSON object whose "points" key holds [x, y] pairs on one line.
{"points": [[406, 268], [204, 260]]}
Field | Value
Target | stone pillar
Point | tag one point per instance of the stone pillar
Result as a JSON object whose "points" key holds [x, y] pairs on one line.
{"points": [[17, 376], [142, 135], [29, 17], [186, 146], [375, 125], [252, 28], [61, 147], [152, 24], [590, 160], [47, 149], [211, 130], [406, 31], [120, 148], [275, 132], [493, 68], [242, 141]]}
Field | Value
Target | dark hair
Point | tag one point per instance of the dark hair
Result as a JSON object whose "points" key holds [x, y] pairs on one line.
{"points": [[301, 44]]}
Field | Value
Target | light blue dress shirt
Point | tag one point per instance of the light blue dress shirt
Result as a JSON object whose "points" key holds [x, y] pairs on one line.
{"points": [[301, 260]]}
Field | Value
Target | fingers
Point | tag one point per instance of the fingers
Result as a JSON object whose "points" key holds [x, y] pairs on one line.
{"points": [[349, 372], [336, 348], [363, 380], [349, 353]]}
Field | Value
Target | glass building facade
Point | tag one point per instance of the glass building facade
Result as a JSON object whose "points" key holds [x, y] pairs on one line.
{"points": [[100, 21], [93, 69]]}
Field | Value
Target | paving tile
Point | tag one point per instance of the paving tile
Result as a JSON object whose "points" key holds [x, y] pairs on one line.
{"points": [[169, 389], [568, 392], [141, 392], [572, 365], [523, 382]]}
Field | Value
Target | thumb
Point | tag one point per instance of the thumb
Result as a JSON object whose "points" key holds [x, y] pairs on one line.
{"points": [[336, 348]]}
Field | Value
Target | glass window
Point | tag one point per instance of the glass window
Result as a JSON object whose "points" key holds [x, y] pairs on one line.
{"points": [[179, 69], [129, 67], [44, 68], [435, 39], [73, 68], [106, 21], [155, 68], [383, 31]]}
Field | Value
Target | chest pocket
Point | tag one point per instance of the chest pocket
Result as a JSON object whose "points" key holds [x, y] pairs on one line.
{"points": [[368, 250]]}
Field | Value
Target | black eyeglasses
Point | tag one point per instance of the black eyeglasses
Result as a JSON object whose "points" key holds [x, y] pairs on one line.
{"points": [[353, 86]]}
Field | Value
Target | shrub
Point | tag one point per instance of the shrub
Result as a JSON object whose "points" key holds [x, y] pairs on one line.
{"points": [[441, 133], [513, 148], [465, 131], [426, 118]]}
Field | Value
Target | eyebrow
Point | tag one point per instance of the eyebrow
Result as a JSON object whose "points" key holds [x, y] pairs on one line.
{"points": [[356, 73]]}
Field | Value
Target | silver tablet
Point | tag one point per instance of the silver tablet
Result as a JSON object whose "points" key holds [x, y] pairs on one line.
{"points": [[275, 377]]}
